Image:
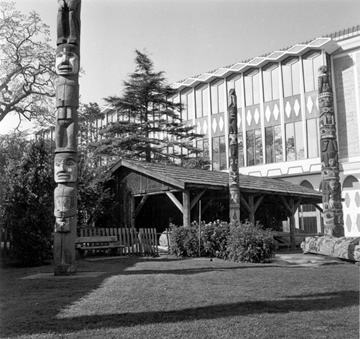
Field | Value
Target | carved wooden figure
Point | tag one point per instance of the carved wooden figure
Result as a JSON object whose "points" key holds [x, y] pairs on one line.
{"points": [[331, 188], [68, 22], [233, 159], [67, 65]]}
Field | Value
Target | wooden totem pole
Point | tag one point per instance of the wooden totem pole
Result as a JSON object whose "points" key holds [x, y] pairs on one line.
{"points": [[66, 133], [331, 187], [233, 160]]}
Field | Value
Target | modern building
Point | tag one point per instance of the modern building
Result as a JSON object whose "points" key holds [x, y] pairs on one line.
{"points": [[278, 117]]}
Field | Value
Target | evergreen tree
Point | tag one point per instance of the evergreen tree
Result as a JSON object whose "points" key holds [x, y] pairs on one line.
{"points": [[27, 205], [150, 127]]}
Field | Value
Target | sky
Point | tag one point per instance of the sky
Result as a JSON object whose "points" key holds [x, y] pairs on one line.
{"points": [[185, 38]]}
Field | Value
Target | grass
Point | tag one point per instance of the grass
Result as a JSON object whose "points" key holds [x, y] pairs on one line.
{"points": [[168, 297]]}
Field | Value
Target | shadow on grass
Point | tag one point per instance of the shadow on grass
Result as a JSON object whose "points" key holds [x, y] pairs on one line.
{"points": [[307, 303]]}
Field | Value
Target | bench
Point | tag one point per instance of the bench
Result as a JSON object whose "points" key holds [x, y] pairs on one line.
{"points": [[109, 243]]}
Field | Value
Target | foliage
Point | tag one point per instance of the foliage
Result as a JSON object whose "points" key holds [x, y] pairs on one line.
{"points": [[27, 72], [27, 205], [250, 243], [184, 241], [240, 242], [150, 126], [95, 199]]}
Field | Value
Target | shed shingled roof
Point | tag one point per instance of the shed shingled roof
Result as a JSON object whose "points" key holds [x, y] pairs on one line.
{"points": [[185, 177]]}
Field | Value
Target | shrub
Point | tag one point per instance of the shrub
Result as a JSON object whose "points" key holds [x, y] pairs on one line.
{"points": [[214, 239], [250, 243], [184, 241]]}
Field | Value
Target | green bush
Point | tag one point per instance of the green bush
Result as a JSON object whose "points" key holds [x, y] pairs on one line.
{"points": [[214, 239], [250, 243], [184, 241], [238, 242]]}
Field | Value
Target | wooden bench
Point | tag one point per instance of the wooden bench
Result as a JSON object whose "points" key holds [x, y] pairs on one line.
{"points": [[109, 243]]}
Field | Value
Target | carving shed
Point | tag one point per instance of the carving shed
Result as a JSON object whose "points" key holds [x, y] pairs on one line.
{"points": [[154, 195]]}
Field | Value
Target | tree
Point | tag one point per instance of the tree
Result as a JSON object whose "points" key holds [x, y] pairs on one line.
{"points": [[27, 206], [27, 65], [150, 127]]}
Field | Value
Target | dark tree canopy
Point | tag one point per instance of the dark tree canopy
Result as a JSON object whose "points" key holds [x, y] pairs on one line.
{"points": [[149, 126], [27, 72]]}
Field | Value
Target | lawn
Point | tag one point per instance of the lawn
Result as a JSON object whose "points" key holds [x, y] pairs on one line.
{"points": [[168, 297]]}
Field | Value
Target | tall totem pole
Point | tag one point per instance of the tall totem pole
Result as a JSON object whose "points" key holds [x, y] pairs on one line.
{"points": [[331, 187], [233, 159], [66, 133]]}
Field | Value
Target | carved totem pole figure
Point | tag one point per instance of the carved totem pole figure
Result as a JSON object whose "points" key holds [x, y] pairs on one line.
{"points": [[233, 159], [66, 132], [331, 187]]}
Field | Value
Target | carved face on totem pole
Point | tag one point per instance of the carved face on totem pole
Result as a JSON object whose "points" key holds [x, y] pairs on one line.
{"points": [[325, 100], [67, 60], [65, 167]]}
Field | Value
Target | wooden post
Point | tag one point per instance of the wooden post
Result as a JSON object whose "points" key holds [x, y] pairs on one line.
{"points": [[252, 210], [67, 66], [234, 189], [186, 208], [331, 187], [292, 224]]}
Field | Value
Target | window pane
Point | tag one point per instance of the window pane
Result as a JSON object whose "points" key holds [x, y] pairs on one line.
{"points": [[299, 141], [295, 78], [205, 102], [248, 91], [256, 88], [250, 148], [199, 104], [258, 147], [275, 83], [238, 90], [269, 142], [287, 80], [278, 144], [190, 105], [206, 148], [312, 138], [221, 95], [267, 85], [215, 154], [222, 148], [214, 100], [241, 150], [290, 142], [200, 145], [184, 103], [308, 75]]}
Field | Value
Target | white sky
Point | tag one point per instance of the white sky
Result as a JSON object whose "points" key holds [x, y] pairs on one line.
{"points": [[187, 37]]}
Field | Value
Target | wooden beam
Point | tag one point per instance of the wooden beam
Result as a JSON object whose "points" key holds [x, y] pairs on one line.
{"points": [[197, 198], [177, 203], [186, 208], [258, 202], [318, 208], [252, 209], [140, 206], [245, 203]]}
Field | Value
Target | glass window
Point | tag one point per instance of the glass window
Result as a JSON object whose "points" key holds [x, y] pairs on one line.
{"points": [[200, 145], [258, 147], [190, 105], [252, 88], [217, 98], [269, 145], [278, 144], [215, 154], [290, 142], [291, 77], [299, 141], [222, 148], [312, 138], [201, 102], [184, 106], [271, 82], [206, 148], [241, 150], [250, 149], [311, 63]]}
